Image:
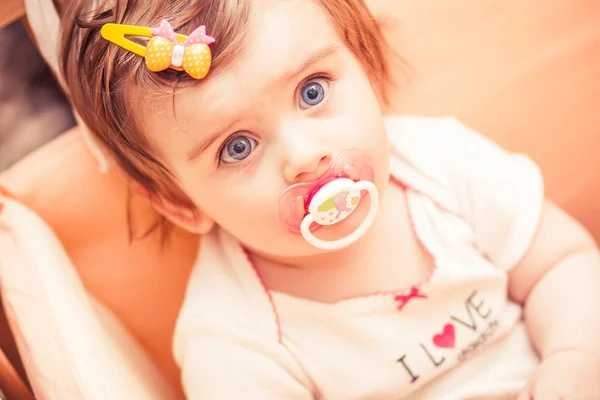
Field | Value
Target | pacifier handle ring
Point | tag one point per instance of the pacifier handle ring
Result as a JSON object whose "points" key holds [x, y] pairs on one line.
{"points": [[348, 240]]}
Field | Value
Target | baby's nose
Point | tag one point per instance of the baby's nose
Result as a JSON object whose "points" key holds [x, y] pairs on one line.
{"points": [[306, 165]]}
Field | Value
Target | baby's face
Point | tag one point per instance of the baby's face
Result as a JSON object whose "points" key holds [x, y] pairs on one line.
{"points": [[292, 100]]}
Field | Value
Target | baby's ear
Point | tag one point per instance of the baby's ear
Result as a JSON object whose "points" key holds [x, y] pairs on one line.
{"points": [[191, 220]]}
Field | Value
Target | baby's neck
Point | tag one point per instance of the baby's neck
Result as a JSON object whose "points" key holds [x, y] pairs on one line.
{"points": [[387, 258]]}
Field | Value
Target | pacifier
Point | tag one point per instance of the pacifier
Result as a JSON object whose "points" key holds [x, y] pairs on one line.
{"points": [[306, 207]]}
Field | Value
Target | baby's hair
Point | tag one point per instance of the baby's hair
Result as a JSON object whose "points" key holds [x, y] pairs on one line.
{"points": [[105, 82]]}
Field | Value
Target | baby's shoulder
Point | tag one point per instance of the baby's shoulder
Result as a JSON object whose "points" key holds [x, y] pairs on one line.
{"points": [[224, 293], [428, 140], [428, 152]]}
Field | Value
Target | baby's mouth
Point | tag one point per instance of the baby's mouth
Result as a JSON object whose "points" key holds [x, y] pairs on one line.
{"points": [[293, 204], [301, 204]]}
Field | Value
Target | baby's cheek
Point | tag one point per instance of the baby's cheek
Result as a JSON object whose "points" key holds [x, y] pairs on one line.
{"points": [[243, 212]]}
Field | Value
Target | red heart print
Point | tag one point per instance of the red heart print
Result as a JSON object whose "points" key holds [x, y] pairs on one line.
{"points": [[446, 338]]}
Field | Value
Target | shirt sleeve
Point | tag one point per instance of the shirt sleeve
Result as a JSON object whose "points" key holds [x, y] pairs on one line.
{"points": [[219, 369], [498, 193]]}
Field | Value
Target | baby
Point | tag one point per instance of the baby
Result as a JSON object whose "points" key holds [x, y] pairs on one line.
{"points": [[345, 255]]}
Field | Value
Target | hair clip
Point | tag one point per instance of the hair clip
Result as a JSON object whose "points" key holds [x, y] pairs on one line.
{"points": [[166, 49]]}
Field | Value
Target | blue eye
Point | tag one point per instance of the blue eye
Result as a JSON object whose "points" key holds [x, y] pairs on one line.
{"points": [[313, 93], [237, 149]]}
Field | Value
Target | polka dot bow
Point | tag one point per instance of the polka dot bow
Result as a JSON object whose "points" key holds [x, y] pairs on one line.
{"points": [[193, 55]]}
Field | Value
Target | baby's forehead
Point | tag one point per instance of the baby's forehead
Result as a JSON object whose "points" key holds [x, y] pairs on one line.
{"points": [[281, 35]]}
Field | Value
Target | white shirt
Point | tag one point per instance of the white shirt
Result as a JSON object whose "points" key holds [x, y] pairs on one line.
{"points": [[474, 206]]}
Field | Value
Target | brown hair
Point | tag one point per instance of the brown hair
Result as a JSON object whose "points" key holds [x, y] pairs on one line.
{"points": [[101, 77]]}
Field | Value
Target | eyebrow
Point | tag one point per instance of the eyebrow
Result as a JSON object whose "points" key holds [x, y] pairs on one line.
{"points": [[205, 144], [312, 59]]}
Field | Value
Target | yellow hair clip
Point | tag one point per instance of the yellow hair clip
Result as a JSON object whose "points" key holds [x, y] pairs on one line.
{"points": [[166, 49]]}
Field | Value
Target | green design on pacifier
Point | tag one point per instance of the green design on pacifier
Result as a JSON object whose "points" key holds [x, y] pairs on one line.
{"points": [[330, 204]]}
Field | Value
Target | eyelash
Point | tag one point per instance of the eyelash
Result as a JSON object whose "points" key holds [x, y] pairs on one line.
{"points": [[220, 164]]}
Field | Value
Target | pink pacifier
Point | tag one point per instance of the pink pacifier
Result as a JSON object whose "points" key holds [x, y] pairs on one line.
{"points": [[305, 207]]}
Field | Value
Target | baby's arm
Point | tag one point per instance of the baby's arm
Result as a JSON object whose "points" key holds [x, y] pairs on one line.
{"points": [[558, 282]]}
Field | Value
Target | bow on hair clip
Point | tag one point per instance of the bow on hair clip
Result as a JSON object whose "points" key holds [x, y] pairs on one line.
{"points": [[166, 49]]}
